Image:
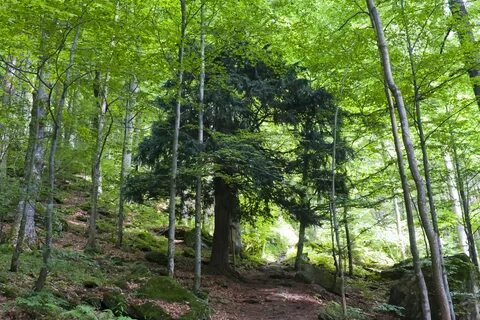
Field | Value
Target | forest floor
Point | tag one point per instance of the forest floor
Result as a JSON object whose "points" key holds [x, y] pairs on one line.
{"points": [[264, 292]]}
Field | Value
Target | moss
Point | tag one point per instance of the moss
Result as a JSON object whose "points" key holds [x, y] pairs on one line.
{"points": [[115, 301], [42, 305], [137, 271], [188, 252], [105, 226], [148, 311], [9, 291], [167, 289], [144, 240]]}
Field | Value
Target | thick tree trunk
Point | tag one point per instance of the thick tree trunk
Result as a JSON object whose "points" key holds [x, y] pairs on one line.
{"points": [[300, 244], [421, 284], [126, 155], [436, 258], [464, 29], [100, 93], [173, 174], [33, 168], [456, 205], [225, 195]]}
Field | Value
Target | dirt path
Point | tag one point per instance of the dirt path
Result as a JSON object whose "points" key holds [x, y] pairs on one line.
{"points": [[270, 293]]}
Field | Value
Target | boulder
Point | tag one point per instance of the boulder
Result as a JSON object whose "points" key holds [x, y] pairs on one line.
{"points": [[168, 290], [314, 275], [463, 280], [157, 257], [115, 301]]}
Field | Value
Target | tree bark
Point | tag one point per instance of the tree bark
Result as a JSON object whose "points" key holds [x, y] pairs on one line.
{"points": [[398, 219], [456, 205], [300, 244], [199, 194], [132, 88], [466, 208], [57, 123], [436, 258], [173, 174], [421, 284], [348, 240], [425, 160], [333, 208], [100, 93], [464, 29], [33, 166], [225, 195]]}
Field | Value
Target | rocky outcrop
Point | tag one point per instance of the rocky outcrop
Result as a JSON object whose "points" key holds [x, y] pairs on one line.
{"points": [[463, 281]]}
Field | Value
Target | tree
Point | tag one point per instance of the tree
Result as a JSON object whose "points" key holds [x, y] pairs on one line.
{"points": [[436, 258]]}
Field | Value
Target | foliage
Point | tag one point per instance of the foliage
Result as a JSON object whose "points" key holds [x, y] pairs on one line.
{"points": [[333, 310], [389, 308], [42, 305]]}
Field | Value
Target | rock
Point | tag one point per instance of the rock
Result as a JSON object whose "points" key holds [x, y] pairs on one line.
{"points": [[314, 275], [157, 257], [92, 299], [189, 239], [115, 301], [462, 274], [137, 271], [167, 289], [8, 291], [147, 311], [90, 284]]}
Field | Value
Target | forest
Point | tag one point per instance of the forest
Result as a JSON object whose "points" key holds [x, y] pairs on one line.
{"points": [[243, 160]]}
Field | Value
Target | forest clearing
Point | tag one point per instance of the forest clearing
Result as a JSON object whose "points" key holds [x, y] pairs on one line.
{"points": [[243, 160]]}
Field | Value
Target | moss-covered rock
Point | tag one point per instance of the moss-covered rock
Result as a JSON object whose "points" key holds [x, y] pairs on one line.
{"points": [[138, 271], [188, 253], [8, 291], [167, 289], [148, 311], [157, 257], [42, 305], [462, 277], [312, 274], [189, 240], [114, 300]]}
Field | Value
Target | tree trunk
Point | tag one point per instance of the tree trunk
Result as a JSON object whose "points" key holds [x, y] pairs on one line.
{"points": [[57, 123], [224, 201], [173, 174], [8, 91], [300, 244], [466, 208], [426, 163], [100, 93], [422, 286], [436, 258], [349, 242], [464, 29], [456, 205], [398, 219], [33, 167], [126, 155], [333, 208], [198, 195]]}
